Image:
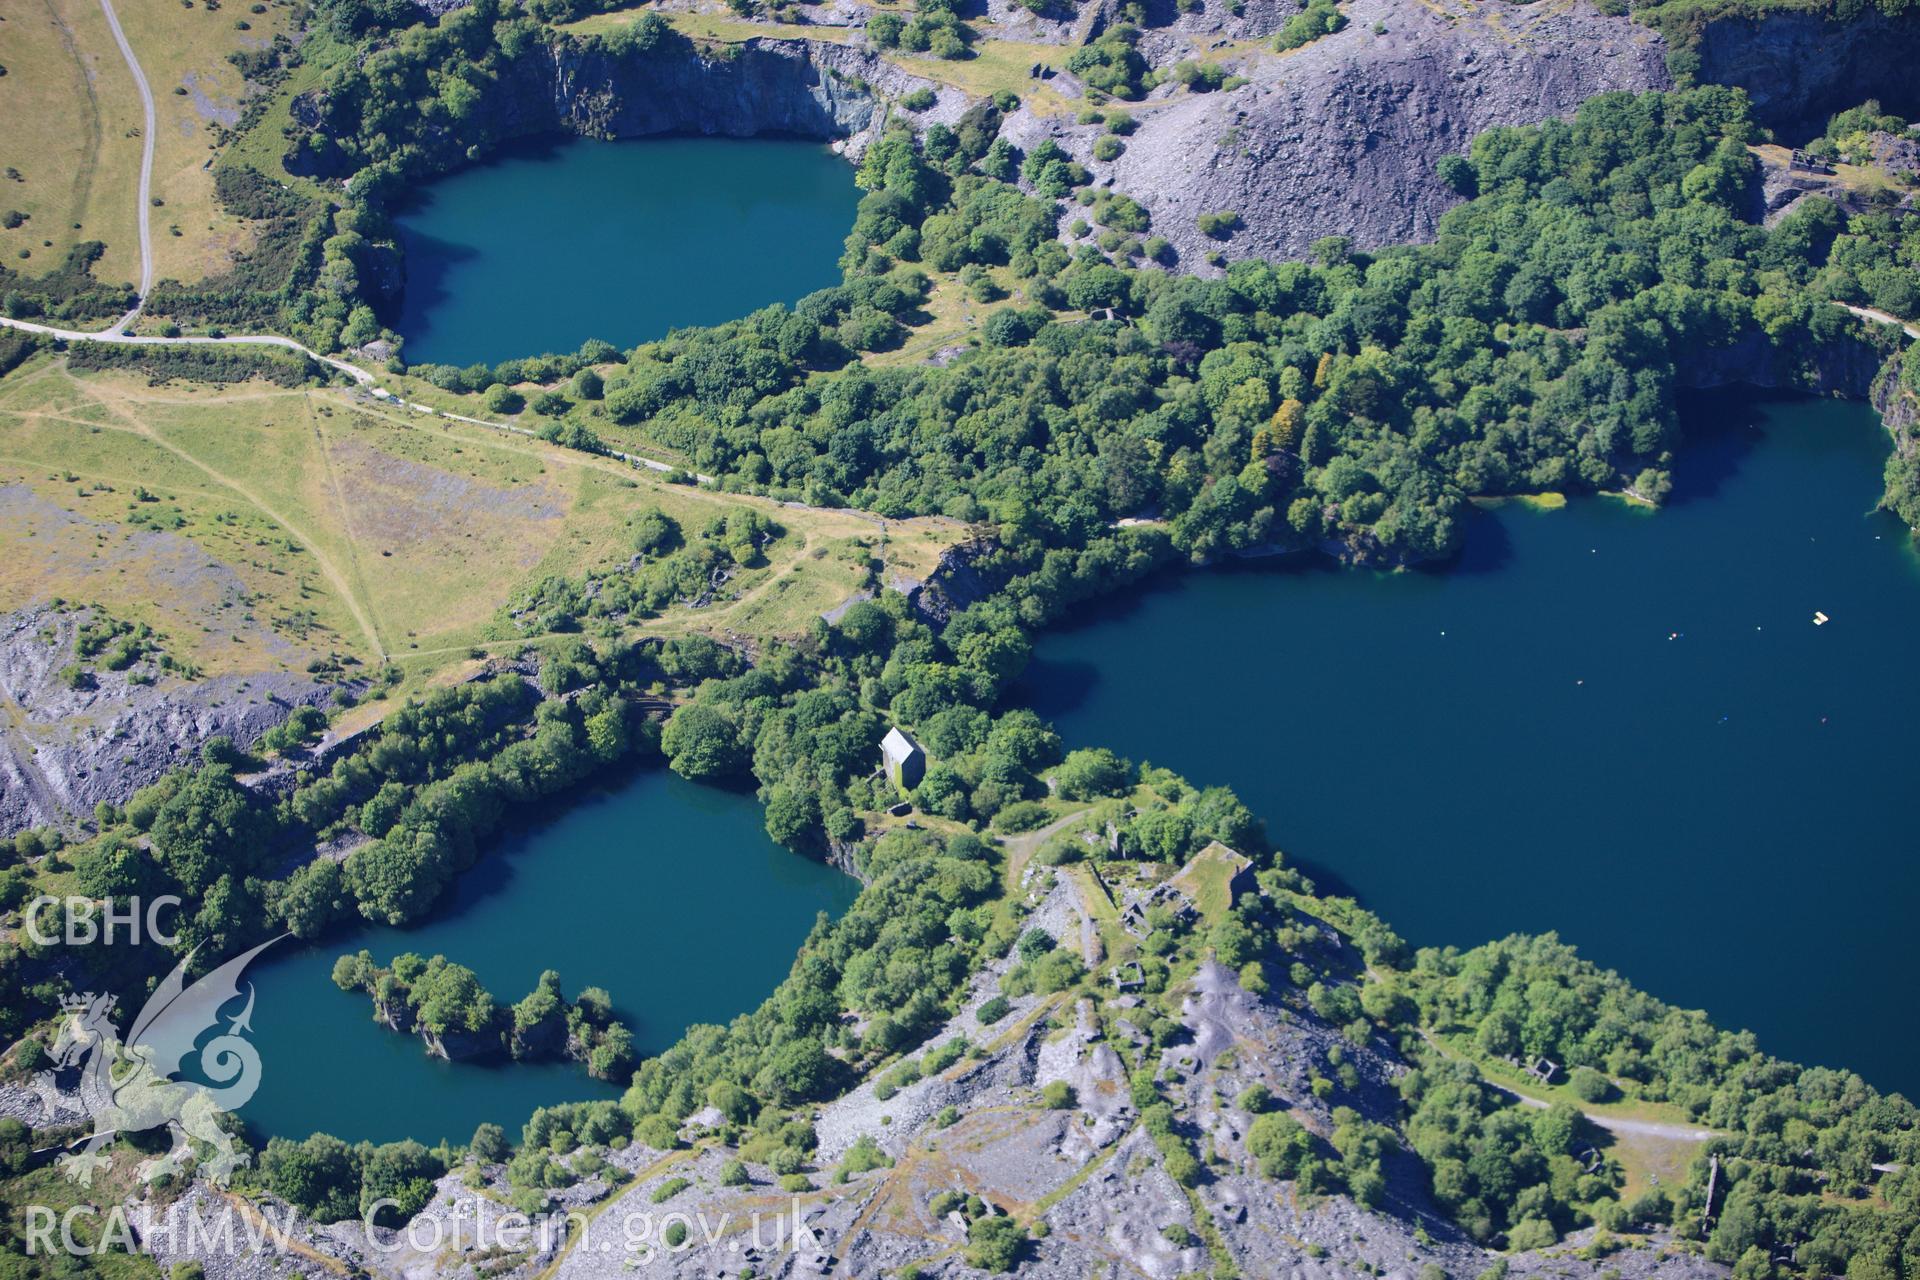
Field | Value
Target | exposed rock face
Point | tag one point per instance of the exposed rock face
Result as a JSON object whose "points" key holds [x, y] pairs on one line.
{"points": [[794, 88], [63, 750], [1341, 137], [1800, 68], [962, 578], [801, 88], [1782, 189], [1897, 155], [394, 1016], [1337, 138], [1899, 409], [770, 87], [546, 1037], [463, 1046], [1843, 368], [455, 1045]]}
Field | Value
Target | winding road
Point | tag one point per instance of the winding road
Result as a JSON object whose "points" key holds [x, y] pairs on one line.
{"points": [[146, 161], [117, 332], [361, 376], [119, 336], [1620, 1124], [1881, 317]]}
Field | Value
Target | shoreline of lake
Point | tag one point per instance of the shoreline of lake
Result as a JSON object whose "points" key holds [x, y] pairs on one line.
{"points": [[1565, 656], [577, 887]]}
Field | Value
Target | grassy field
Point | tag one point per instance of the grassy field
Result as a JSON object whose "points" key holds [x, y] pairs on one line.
{"points": [[258, 527], [716, 24], [100, 509], [72, 134], [995, 65], [74, 123], [1208, 880], [186, 48]]}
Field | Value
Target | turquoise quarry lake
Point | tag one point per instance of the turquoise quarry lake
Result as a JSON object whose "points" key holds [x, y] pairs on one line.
{"points": [[1618, 724], [556, 242], [667, 894]]}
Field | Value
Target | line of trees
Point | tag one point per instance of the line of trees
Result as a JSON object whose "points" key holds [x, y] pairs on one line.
{"points": [[69, 292], [197, 363]]}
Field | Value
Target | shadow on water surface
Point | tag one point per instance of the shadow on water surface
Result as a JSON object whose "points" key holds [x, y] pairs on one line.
{"points": [[1722, 430], [1485, 547], [431, 264], [1638, 733], [535, 149], [1053, 686]]}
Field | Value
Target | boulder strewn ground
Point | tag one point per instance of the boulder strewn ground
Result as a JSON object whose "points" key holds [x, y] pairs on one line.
{"points": [[1338, 137], [989, 1135], [1341, 137], [63, 749]]}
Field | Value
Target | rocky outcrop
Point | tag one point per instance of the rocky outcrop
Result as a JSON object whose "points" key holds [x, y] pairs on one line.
{"points": [[1784, 185], [394, 1015], [1899, 407], [1845, 367], [1782, 189], [453, 1045], [1800, 68], [761, 87], [1897, 155], [63, 750], [1341, 137], [800, 88], [544, 1037], [965, 575], [462, 1046]]}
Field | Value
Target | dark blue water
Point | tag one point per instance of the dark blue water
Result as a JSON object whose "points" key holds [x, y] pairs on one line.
{"points": [[1618, 724], [669, 895], [558, 242]]}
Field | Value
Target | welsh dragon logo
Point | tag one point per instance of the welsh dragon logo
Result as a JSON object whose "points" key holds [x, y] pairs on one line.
{"points": [[130, 1087]]}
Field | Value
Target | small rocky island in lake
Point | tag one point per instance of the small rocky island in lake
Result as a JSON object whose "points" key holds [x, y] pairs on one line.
{"points": [[427, 425], [457, 1019]]}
